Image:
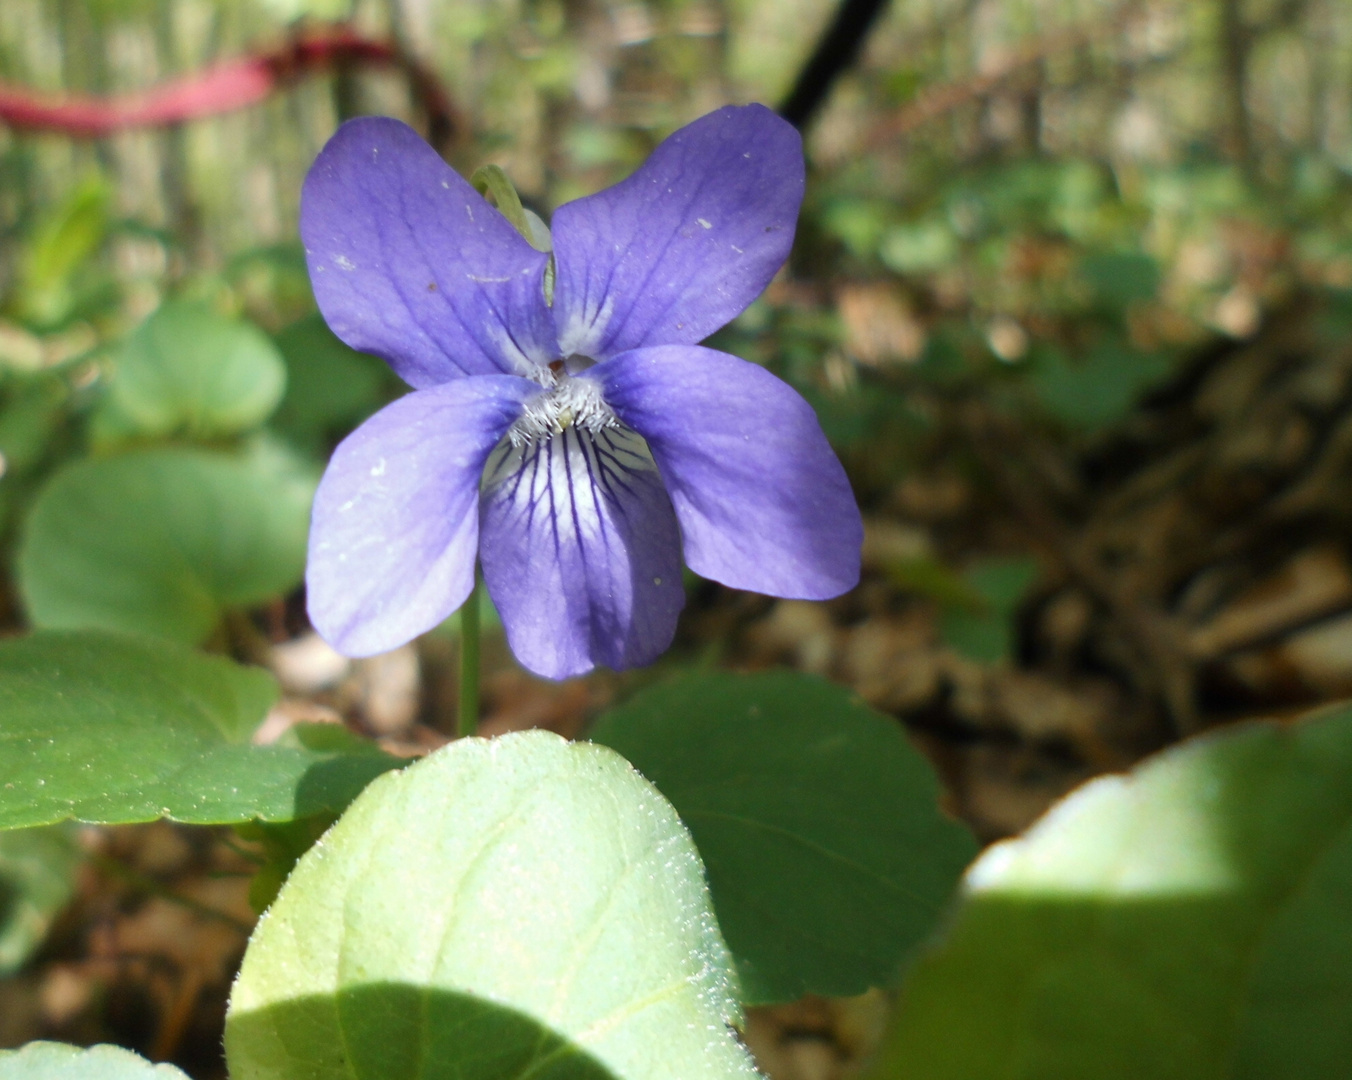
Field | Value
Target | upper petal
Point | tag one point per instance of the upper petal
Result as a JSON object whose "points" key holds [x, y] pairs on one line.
{"points": [[683, 245], [581, 553], [409, 262], [395, 526], [762, 499]]}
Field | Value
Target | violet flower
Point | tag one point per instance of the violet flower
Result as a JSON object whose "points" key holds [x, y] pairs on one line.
{"points": [[577, 443]]}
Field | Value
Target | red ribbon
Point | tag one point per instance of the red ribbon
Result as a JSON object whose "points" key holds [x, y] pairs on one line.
{"points": [[225, 87]]}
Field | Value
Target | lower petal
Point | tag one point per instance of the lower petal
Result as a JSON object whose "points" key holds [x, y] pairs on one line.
{"points": [[581, 552], [761, 497], [395, 525]]}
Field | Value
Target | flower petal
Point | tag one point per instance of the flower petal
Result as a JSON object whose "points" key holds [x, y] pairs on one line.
{"points": [[395, 525], [409, 262], [581, 553], [762, 499], [684, 244]]}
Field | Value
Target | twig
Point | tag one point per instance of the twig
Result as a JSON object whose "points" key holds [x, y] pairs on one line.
{"points": [[941, 100], [834, 53], [1235, 41], [174, 1023]]}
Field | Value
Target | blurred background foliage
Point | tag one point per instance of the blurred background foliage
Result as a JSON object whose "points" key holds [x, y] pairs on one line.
{"points": [[1072, 295], [1055, 201]]}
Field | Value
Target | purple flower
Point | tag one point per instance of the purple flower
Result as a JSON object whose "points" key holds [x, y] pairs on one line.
{"points": [[577, 445]]}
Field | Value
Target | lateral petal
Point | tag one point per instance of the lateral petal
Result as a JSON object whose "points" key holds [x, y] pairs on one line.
{"points": [[410, 263], [580, 552], [395, 526], [762, 500], [685, 243]]}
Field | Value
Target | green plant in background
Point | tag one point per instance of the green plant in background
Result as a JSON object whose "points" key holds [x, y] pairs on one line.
{"points": [[188, 507], [191, 374], [54, 273]]}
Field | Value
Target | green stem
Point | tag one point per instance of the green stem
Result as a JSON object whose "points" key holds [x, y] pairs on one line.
{"points": [[468, 720]]}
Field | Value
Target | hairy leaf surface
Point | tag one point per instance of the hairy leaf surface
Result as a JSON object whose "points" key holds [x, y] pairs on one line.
{"points": [[521, 906]]}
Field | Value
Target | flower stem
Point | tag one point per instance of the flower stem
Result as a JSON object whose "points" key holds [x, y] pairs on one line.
{"points": [[468, 719]]}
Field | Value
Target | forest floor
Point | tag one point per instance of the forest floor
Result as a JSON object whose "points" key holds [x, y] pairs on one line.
{"points": [[1192, 569]]}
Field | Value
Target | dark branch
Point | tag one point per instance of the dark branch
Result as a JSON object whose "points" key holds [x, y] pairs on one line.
{"points": [[835, 52]]}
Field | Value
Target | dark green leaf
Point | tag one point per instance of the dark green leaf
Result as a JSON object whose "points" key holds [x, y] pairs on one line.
{"points": [[1099, 388], [32, 410], [109, 729], [1298, 1019], [1188, 921], [984, 631], [329, 388], [819, 825], [1121, 279], [929, 577]]}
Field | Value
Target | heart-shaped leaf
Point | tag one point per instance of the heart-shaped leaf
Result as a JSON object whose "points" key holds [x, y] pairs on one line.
{"points": [[819, 825], [1098, 388], [163, 541], [109, 729], [188, 371], [57, 1061], [501, 909], [1187, 921]]}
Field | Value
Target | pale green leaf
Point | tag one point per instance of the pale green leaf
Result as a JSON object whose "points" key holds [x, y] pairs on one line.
{"points": [[522, 906], [190, 371], [162, 541], [827, 854], [918, 248], [58, 1061]]}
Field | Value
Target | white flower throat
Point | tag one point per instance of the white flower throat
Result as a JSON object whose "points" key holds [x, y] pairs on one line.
{"points": [[567, 437], [566, 402]]}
